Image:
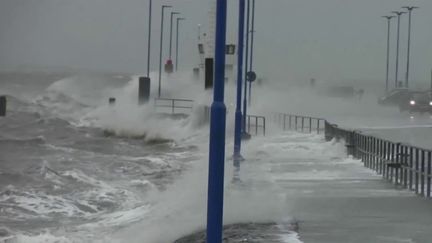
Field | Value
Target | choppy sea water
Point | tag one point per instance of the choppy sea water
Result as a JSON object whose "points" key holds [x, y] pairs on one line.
{"points": [[74, 169]]}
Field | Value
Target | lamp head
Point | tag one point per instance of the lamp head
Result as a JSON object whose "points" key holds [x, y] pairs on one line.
{"points": [[410, 8]]}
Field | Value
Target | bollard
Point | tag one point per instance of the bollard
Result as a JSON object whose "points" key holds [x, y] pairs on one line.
{"points": [[112, 101], [3, 105], [143, 90], [196, 73], [209, 65]]}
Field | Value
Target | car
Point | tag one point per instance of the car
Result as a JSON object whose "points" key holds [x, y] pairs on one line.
{"points": [[419, 102], [396, 97]]}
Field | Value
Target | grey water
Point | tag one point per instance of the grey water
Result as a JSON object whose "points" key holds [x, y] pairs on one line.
{"points": [[58, 172]]}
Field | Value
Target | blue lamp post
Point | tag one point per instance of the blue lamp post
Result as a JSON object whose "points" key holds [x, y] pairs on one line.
{"points": [[238, 115], [217, 132], [245, 135]]}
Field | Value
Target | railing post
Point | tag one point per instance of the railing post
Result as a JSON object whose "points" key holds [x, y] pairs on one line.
{"points": [[429, 174], [417, 171], [173, 105], [310, 124], [422, 180], [302, 123], [398, 161], [381, 153], [384, 163], [290, 125], [256, 125], [264, 129], [405, 169], [411, 158], [295, 123], [284, 121]]}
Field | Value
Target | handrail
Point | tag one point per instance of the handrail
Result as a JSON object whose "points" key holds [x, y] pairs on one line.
{"points": [[402, 164], [174, 104], [299, 123], [260, 122]]}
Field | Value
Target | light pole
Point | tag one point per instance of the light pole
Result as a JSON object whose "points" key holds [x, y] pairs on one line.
{"points": [[398, 13], [177, 42], [217, 133], [252, 31], [149, 38], [160, 49], [238, 114], [171, 34], [244, 132], [410, 9], [388, 49]]}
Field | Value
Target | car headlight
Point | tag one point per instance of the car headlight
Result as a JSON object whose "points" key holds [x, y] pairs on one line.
{"points": [[430, 103], [412, 102]]}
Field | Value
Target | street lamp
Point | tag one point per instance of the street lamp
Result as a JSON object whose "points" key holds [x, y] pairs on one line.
{"points": [[149, 38], [245, 135], [169, 68], [410, 9], [177, 42], [238, 114], [160, 49], [217, 133], [170, 47], [398, 13], [252, 31], [145, 82], [388, 48]]}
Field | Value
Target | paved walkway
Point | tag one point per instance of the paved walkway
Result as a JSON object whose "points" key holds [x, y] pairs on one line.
{"points": [[334, 198]]}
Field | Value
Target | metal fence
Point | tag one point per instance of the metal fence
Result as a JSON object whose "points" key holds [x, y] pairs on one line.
{"points": [[299, 123], [173, 106], [404, 165], [256, 124]]}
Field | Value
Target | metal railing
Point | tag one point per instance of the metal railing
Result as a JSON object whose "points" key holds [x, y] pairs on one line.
{"points": [[404, 165], [257, 122], [173, 106], [299, 123]]}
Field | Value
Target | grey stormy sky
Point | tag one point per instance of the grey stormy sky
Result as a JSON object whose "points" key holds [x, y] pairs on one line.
{"points": [[296, 39]]}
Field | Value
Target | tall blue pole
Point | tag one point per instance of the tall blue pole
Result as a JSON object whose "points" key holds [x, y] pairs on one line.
{"points": [[238, 114], [217, 132], [246, 68], [160, 49], [252, 49]]}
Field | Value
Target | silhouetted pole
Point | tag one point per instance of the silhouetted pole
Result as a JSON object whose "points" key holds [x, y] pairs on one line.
{"points": [[398, 13], [149, 38], [160, 49], [171, 34], [244, 132], [388, 49], [217, 133], [238, 115], [177, 42], [410, 9], [252, 49]]}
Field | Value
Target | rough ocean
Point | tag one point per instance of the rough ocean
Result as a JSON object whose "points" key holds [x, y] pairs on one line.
{"points": [[74, 169]]}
